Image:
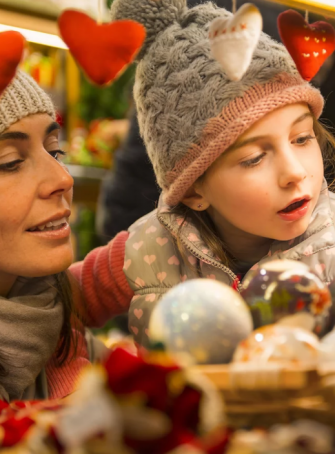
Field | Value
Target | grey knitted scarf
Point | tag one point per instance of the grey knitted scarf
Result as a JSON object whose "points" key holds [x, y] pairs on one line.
{"points": [[31, 318]]}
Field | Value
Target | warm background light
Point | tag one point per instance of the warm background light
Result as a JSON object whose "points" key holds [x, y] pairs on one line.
{"points": [[32, 36], [325, 8], [35, 29]]}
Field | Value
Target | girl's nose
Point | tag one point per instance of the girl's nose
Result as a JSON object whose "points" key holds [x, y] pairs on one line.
{"points": [[292, 171]]}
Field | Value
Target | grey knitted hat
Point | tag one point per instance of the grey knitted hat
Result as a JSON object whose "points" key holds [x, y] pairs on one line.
{"points": [[189, 111], [23, 97]]}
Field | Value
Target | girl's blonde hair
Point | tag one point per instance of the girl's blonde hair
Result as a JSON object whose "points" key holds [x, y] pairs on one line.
{"points": [[204, 223]]}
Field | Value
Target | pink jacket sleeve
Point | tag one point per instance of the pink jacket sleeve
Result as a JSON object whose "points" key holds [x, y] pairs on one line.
{"points": [[103, 288]]}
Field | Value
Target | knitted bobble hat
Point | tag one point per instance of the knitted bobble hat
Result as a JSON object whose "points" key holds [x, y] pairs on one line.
{"points": [[23, 97], [189, 111]]}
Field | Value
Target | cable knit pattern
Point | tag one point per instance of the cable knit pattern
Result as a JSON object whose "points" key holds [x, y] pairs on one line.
{"points": [[103, 284], [183, 95], [23, 97]]}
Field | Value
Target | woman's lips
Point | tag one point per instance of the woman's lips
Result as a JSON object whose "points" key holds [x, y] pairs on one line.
{"points": [[63, 231], [296, 214]]}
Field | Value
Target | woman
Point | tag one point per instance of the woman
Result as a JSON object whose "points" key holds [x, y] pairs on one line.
{"points": [[41, 350]]}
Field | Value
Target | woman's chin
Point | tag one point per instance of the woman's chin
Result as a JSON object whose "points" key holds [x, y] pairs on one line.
{"points": [[54, 266]]}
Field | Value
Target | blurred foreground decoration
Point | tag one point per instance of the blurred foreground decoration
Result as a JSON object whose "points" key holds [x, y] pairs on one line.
{"points": [[277, 395], [129, 405]]}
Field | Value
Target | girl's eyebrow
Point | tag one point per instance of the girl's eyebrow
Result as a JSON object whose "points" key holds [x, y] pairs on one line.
{"points": [[302, 118], [17, 135], [256, 138], [247, 141]]}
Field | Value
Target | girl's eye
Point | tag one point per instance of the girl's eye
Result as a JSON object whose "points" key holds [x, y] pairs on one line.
{"points": [[253, 162], [304, 140], [55, 154], [11, 166]]}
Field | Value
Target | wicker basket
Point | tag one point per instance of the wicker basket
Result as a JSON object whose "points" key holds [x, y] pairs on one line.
{"points": [[260, 396]]}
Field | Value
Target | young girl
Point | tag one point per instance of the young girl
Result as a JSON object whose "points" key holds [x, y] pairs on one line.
{"points": [[240, 164], [42, 348]]}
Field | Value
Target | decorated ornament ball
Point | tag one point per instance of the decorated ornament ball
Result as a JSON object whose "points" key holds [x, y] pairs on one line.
{"points": [[202, 317], [327, 351], [279, 344], [288, 291]]}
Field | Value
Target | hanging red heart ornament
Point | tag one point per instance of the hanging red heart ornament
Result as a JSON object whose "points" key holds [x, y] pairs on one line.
{"points": [[11, 52], [102, 50], [308, 44]]}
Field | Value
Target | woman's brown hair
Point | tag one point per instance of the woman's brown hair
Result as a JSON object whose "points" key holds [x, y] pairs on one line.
{"points": [[204, 223], [71, 319]]}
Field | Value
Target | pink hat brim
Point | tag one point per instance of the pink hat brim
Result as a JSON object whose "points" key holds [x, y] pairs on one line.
{"points": [[236, 118]]}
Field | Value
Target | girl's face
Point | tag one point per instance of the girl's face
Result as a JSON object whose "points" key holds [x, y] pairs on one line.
{"points": [[269, 182], [35, 201]]}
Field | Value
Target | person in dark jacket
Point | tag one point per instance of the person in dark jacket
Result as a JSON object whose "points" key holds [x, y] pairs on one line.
{"points": [[129, 190]]}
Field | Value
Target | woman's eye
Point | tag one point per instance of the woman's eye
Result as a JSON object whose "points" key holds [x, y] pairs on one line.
{"points": [[253, 162], [56, 153], [11, 166], [304, 140]]}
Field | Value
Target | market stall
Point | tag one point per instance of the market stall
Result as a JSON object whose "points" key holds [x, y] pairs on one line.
{"points": [[242, 368]]}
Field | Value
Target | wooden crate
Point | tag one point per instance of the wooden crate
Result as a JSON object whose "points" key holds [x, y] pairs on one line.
{"points": [[265, 395]]}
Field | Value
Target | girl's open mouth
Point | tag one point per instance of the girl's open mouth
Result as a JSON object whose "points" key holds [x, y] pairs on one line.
{"points": [[295, 210]]}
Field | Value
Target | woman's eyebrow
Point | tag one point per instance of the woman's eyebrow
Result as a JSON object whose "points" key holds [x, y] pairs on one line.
{"points": [[17, 135], [14, 135], [52, 127]]}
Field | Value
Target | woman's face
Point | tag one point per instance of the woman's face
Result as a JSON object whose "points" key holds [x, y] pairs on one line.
{"points": [[269, 182], [35, 200]]}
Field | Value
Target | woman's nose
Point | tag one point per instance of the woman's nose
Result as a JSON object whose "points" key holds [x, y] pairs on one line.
{"points": [[57, 179]]}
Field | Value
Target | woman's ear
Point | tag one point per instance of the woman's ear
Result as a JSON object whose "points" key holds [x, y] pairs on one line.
{"points": [[195, 200]]}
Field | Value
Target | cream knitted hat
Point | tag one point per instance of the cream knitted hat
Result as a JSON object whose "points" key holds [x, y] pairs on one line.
{"points": [[189, 111], [21, 98]]}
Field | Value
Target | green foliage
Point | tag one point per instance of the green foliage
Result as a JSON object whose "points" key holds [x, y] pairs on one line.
{"points": [[108, 102]]}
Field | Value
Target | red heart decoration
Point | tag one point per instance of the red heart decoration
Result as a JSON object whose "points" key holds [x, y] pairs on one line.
{"points": [[308, 44], [102, 51], [11, 53]]}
